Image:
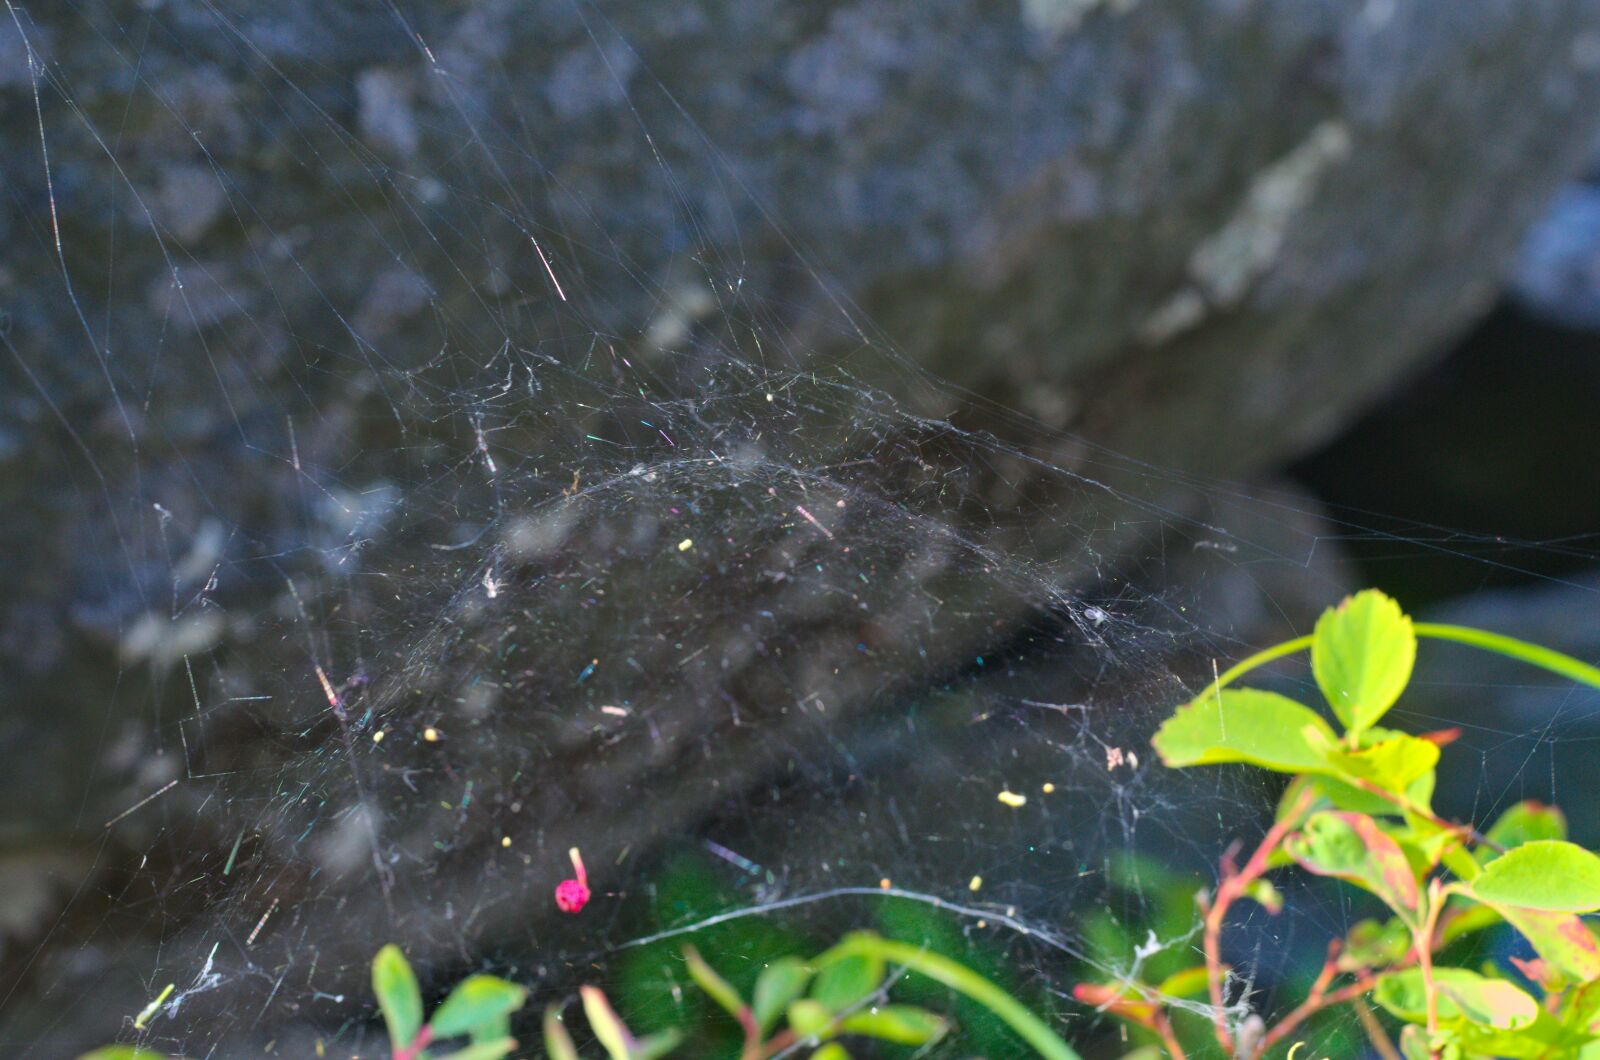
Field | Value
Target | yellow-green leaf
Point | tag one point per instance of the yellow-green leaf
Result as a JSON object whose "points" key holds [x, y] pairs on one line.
{"points": [[1544, 874], [476, 1001], [1351, 847], [716, 987], [778, 984], [1526, 821], [1362, 653], [1246, 725], [557, 1042], [495, 1050], [901, 1024], [848, 982], [395, 986], [1561, 939], [810, 1019], [1462, 994]]}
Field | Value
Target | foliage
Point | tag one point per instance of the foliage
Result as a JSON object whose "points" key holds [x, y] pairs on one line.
{"points": [[1359, 809], [796, 1004]]}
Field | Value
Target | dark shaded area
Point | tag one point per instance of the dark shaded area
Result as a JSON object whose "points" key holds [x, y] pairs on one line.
{"points": [[1481, 473]]}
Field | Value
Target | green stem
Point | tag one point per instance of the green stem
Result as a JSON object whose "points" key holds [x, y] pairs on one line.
{"points": [[1521, 650], [959, 978], [1259, 659], [1532, 654]]}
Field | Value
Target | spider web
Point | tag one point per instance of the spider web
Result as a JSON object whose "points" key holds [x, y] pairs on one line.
{"points": [[415, 565]]}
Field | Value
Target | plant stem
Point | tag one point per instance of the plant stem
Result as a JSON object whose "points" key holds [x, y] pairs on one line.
{"points": [[1163, 1027], [1231, 886], [1521, 650], [1423, 939], [1309, 1007], [959, 978], [1381, 1043], [1260, 658]]}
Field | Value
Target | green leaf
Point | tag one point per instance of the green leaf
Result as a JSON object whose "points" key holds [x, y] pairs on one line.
{"points": [[1542, 874], [1523, 823], [1361, 655], [653, 1045], [557, 1042], [122, 1052], [1246, 725], [1560, 938], [1462, 995], [810, 1019], [1351, 847], [778, 984], [716, 987], [477, 1000], [1394, 764], [901, 1024], [1371, 944], [608, 1027], [484, 1050], [492, 1030], [831, 1051], [848, 982], [1191, 982], [395, 986]]}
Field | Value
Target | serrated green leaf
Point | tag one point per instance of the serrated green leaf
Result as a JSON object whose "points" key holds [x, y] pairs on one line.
{"points": [[1351, 847], [400, 1000], [1462, 994], [477, 1000], [809, 1019], [779, 983], [1246, 725], [557, 1042], [848, 982], [901, 1024], [1546, 874], [492, 1050], [1362, 652]]}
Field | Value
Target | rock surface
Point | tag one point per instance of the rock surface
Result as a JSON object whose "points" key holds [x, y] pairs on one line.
{"points": [[326, 263]]}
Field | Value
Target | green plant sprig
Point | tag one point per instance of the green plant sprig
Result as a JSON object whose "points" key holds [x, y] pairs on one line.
{"points": [[1358, 809]]}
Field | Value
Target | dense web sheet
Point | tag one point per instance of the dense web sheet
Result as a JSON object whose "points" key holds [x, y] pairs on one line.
{"points": [[416, 564]]}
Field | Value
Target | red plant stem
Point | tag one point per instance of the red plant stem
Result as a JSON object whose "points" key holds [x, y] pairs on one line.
{"points": [[1424, 946], [423, 1039], [1231, 887], [1310, 1007], [1163, 1027]]}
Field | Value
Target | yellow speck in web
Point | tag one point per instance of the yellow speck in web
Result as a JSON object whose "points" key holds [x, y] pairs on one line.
{"points": [[975, 883], [686, 544], [884, 884], [505, 841], [430, 734], [1012, 799], [1048, 788], [377, 737]]}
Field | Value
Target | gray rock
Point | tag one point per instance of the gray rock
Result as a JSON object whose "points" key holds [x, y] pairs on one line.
{"points": [[680, 268]]}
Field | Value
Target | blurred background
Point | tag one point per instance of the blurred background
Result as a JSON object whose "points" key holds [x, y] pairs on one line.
{"points": [[746, 437]]}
